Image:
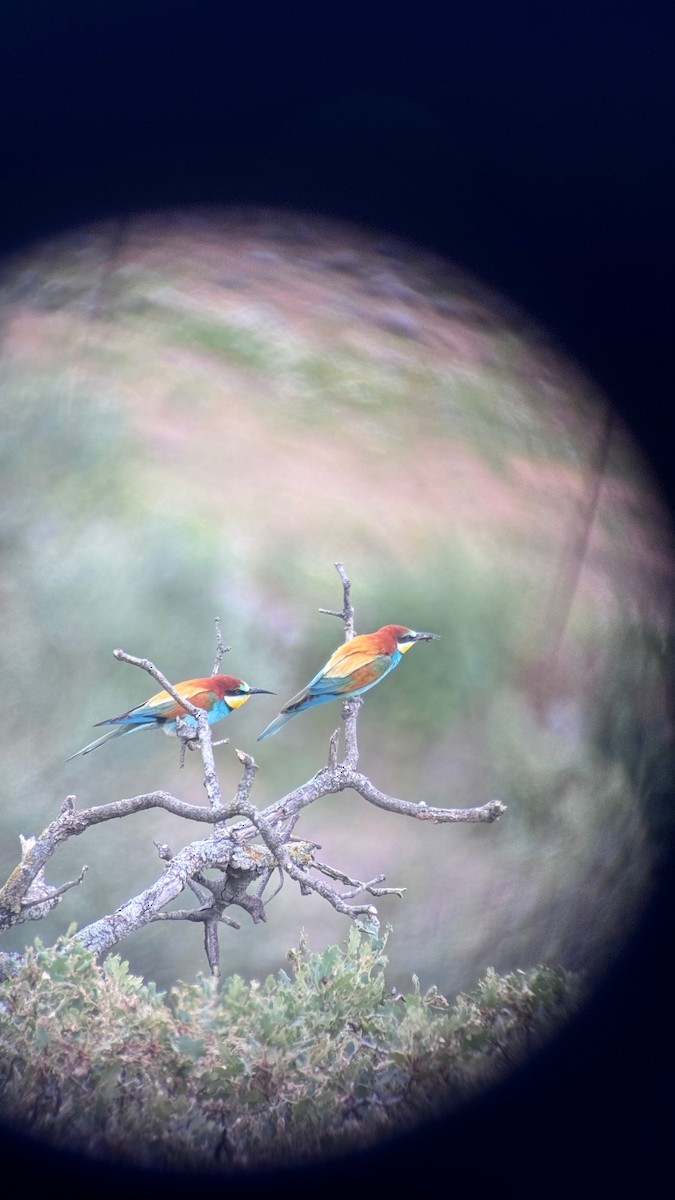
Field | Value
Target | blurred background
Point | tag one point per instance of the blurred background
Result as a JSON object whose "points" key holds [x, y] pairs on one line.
{"points": [[202, 411]]}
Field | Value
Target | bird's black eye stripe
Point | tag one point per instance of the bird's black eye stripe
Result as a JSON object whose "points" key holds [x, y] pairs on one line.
{"points": [[407, 637]]}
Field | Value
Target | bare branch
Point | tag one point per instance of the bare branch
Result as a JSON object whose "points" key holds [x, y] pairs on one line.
{"points": [[212, 946], [39, 897], [356, 886], [37, 851], [350, 707], [211, 781], [260, 891], [232, 852], [329, 781], [221, 648], [347, 614], [196, 915], [146, 665], [101, 935], [421, 811], [250, 769], [333, 749], [350, 712], [51, 897]]}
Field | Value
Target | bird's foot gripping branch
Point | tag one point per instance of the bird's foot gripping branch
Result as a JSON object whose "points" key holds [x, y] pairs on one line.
{"points": [[244, 847]]}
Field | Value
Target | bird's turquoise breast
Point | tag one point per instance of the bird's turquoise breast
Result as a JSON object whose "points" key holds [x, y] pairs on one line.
{"points": [[218, 711]]}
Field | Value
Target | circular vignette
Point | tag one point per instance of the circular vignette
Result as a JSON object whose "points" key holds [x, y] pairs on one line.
{"points": [[244, 395]]}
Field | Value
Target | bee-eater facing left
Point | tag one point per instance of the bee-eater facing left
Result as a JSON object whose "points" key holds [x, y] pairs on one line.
{"points": [[217, 695], [354, 668]]}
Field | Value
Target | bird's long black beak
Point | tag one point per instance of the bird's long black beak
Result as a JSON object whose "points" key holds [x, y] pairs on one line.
{"points": [[427, 637], [260, 692]]}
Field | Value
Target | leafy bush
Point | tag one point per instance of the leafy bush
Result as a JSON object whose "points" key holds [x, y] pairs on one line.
{"points": [[244, 1075]]}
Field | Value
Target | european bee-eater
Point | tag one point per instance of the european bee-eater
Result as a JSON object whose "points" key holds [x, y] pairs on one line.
{"points": [[218, 695], [355, 667]]}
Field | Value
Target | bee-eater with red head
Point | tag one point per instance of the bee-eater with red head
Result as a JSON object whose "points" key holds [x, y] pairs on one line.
{"points": [[354, 668], [218, 696]]}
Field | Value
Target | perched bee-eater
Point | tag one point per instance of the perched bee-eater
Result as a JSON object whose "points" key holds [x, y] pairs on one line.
{"points": [[218, 696], [355, 667]]}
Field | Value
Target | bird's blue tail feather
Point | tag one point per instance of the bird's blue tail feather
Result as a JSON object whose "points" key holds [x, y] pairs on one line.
{"points": [[107, 737]]}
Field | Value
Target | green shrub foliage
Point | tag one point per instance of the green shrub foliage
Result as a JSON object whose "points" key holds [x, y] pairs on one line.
{"points": [[238, 1075]]}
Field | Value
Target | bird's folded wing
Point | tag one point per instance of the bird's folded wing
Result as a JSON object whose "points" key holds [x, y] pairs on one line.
{"points": [[163, 707], [194, 691], [346, 671]]}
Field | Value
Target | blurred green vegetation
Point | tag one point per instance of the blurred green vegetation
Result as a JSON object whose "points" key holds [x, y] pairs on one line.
{"points": [[198, 423], [254, 1075]]}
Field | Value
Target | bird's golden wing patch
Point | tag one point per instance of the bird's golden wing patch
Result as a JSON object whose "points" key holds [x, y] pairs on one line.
{"points": [[165, 707], [346, 660], [363, 676]]}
